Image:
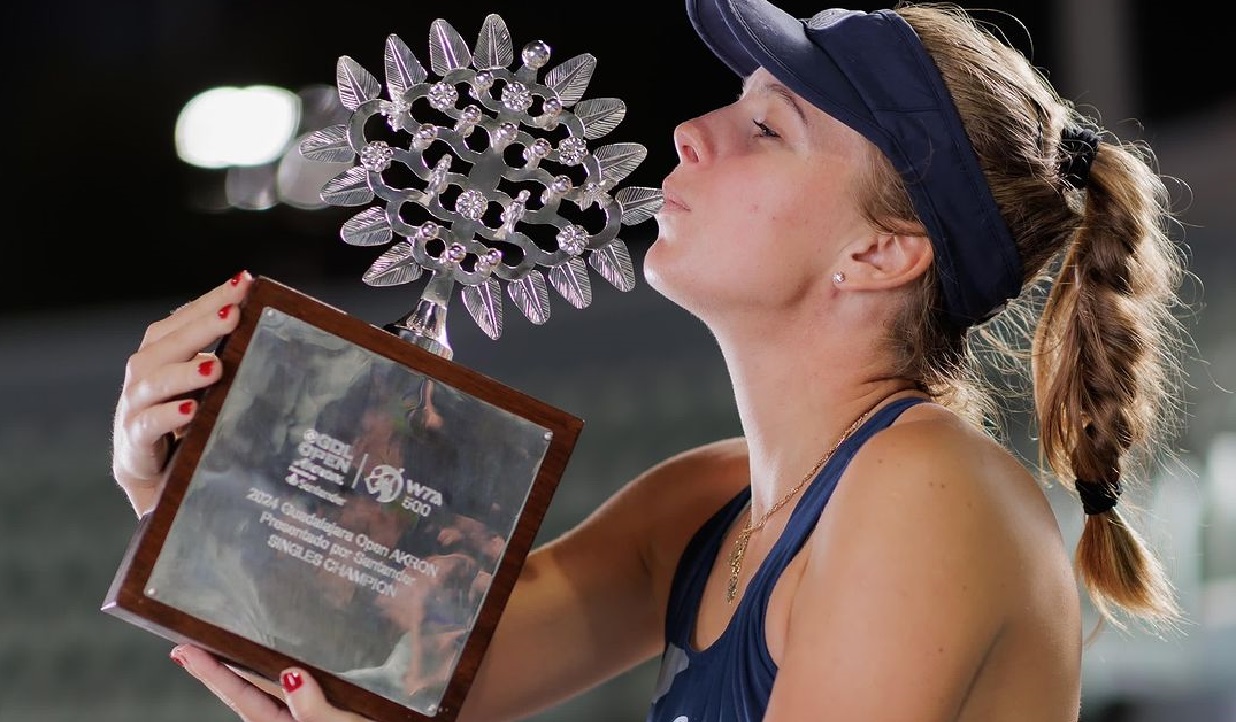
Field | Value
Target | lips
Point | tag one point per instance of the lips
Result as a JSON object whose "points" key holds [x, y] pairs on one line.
{"points": [[673, 201]]}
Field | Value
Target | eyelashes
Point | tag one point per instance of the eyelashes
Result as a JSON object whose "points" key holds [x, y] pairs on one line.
{"points": [[764, 131]]}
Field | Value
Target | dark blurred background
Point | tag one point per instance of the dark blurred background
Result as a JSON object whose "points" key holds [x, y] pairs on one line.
{"points": [[110, 229]]}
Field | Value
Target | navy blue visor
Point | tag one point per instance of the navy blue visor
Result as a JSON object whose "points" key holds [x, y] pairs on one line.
{"points": [[870, 71]]}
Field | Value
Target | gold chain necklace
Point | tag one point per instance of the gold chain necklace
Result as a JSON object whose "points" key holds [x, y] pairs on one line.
{"points": [[744, 536]]}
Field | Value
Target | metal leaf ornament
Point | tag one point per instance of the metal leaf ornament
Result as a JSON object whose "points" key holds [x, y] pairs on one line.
{"points": [[501, 174]]}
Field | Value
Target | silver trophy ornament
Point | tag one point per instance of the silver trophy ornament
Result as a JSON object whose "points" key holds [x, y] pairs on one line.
{"points": [[348, 498], [503, 180]]}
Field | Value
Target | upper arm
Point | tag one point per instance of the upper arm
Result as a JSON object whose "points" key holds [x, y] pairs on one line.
{"points": [[594, 598], [902, 594]]}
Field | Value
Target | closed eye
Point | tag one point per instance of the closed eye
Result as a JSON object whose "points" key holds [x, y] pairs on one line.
{"points": [[764, 131]]}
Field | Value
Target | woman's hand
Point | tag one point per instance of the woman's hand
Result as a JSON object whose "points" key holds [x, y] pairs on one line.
{"points": [[160, 380], [254, 700]]}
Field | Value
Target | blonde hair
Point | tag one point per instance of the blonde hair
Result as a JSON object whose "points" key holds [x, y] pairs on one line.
{"points": [[1097, 309]]}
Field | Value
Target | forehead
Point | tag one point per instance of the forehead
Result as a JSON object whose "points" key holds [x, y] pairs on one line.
{"points": [[761, 82]]}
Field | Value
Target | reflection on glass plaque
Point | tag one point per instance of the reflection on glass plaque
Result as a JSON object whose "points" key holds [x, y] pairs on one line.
{"points": [[348, 510], [347, 502]]}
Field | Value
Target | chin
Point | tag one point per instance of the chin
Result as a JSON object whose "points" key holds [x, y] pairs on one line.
{"points": [[669, 275], [655, 263]]}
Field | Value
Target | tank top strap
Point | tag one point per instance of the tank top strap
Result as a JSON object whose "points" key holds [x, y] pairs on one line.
{"points": [[691, 575], [807, 512], [806, 515]]}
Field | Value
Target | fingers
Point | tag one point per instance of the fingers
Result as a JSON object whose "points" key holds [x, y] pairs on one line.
{"points": [[305, 699], [158, 403], [226, 294], [271, 688], [174, 346], [247, 701], [170, 358], [160, 379]]}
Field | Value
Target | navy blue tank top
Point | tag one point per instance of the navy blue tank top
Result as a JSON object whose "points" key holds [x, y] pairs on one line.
{"points": [[731, 680]]}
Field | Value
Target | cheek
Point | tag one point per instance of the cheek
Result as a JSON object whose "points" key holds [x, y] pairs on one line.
{"points": [[737, 224]]}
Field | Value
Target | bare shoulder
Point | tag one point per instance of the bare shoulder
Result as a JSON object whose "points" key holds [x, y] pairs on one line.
{"points": [[934, 490], [934, 461], [647, 523], [713, 464], [936, 542], [683, 491]]}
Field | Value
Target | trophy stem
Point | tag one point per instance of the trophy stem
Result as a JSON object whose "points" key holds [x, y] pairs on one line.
{"points": [[425, 326]]}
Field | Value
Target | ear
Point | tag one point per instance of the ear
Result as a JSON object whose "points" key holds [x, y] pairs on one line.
{"points": [[887, 260]]}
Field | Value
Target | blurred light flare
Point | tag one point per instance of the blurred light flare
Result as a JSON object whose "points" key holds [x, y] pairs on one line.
{"points": [[228, 126], [253, 135]]}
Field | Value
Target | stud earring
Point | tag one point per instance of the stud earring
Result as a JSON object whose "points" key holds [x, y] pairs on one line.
{"points": [[839, 277]]}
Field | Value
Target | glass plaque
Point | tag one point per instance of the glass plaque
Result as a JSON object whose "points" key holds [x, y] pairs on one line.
{"points": [[348, 502]]}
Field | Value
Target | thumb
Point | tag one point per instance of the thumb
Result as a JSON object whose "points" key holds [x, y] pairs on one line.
{"points": [[306, 701]]}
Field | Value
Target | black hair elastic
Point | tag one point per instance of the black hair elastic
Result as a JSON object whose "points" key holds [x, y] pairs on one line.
{"points": [[1078, 147], [1098, 497]]}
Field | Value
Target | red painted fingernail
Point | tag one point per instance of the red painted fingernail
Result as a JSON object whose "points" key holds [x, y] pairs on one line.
{"points": [[235, 280], [291, 681], [186, 407], [225, 311], [205, 367], [177, 658]]}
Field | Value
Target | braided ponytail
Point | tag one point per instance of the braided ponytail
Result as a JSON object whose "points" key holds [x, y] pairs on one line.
{"points": [[1104, 352], [1104, 369]]}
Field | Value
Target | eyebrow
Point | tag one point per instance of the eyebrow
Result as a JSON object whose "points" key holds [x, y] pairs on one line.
{"points": [[779, 91]]}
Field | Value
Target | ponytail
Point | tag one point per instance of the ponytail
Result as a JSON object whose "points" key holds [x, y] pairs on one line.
{"points": [[1105, 371], [1090, 214]]}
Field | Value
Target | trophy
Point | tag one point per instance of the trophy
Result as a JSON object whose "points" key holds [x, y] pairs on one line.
{"points": [[349, 499]]}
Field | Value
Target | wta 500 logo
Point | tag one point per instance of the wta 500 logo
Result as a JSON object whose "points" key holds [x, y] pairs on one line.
{"points": [[323, 458], [384, 482]]}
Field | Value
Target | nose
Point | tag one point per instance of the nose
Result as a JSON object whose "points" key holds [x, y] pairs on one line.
{"points": [[690, 141]]}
